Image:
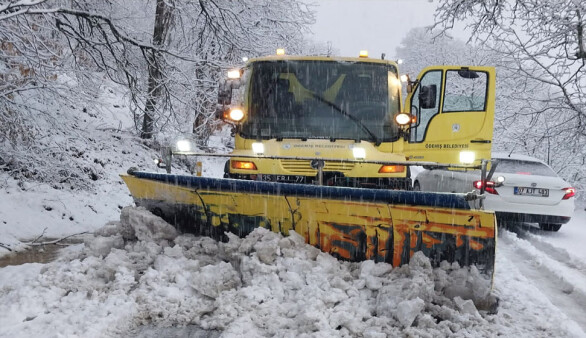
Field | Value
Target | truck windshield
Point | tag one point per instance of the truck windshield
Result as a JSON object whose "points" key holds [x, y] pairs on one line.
{"points": [[323, 99]]}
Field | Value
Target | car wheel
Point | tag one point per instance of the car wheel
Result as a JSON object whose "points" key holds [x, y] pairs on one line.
{"points": [[416, 186], [550, 227]]}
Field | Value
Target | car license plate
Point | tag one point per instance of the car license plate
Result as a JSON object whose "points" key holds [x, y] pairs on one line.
{"points": [[531, 191]]}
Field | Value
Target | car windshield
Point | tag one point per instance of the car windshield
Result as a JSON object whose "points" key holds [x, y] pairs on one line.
{"points": [[323, 99], [524, 167]]}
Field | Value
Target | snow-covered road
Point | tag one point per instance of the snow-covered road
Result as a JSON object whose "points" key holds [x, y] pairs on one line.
{"points": [[545, 264], [267, 285]]}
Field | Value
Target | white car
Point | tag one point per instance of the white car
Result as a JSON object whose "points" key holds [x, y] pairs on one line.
{"points": [[522, 189]]}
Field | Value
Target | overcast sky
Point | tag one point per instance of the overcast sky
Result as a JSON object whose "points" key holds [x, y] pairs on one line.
{"points": [[375, 25]]}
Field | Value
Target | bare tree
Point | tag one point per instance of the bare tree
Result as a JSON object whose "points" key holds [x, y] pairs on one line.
{"points": [[207, 34], [168, 54], [163, 19], [541, 44]]}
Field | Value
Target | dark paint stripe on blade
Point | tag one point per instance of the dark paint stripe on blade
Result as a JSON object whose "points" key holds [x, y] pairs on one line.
{"points": [[398, 197]]}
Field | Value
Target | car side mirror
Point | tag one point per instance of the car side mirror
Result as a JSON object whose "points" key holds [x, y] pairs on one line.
{"points": [[427, 95]]}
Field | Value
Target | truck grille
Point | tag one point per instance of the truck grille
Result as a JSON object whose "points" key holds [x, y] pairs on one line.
{"points": [[299, 167]]}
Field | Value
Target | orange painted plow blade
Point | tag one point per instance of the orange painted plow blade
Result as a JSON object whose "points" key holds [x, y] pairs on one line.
{"points": [[349, 223]]}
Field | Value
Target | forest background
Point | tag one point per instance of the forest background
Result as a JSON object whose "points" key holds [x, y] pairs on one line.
{"points": [[166, 57]]}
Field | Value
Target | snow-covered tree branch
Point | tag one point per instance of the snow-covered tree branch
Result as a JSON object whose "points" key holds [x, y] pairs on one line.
{"points": [[540, 44], [168, 54]]}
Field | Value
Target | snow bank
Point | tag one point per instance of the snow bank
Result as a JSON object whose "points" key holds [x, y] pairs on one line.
{"points": [[138, 274]]}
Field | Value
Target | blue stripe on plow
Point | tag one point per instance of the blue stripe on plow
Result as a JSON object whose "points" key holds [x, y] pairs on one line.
{"points": [[395, 197]]}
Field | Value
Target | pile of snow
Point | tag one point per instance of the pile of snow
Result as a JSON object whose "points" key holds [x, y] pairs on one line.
{"points": [[138, 274]]}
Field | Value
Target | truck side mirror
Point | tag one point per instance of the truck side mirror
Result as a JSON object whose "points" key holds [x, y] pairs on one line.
{"points": [[221, 111], [225, 91], [427, 95]]}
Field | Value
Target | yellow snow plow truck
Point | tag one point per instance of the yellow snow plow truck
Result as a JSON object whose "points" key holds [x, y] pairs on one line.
{"points": [[323, 146]]}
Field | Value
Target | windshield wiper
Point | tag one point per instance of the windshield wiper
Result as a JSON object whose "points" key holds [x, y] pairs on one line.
{"points": [[348, 115]]}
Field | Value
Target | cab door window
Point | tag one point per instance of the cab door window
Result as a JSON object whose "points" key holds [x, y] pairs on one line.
{"points": [[425, 103], [465, 91]]}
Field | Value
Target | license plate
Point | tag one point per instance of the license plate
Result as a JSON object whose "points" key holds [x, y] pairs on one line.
{"points": [[282, 178], [532, 191]]}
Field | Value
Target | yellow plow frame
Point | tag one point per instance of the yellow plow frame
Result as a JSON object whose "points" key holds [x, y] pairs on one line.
{"points": [[349, 223]]}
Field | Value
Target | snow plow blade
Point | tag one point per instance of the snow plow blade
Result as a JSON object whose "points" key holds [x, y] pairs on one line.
{"points": [[349, 223]]}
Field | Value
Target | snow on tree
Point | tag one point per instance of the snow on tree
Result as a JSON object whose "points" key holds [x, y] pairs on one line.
{"points": [[56, 55], [541, 44]]}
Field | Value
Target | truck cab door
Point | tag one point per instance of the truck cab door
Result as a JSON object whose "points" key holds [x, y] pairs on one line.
{"points": [[454, 110]]}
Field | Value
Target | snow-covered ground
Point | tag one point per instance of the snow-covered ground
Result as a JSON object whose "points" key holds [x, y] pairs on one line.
{"points": [[126, 280], [138, 277]]}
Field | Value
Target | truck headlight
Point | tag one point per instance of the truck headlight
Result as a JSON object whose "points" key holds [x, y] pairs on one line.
{"points": [[467, 157], [258, 148], [236, 114], [234, 74], [359, 153], [403, 119], [183, 146]]}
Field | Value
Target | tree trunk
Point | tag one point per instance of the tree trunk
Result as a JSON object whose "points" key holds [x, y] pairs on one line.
{"points": [[163, 16]]}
